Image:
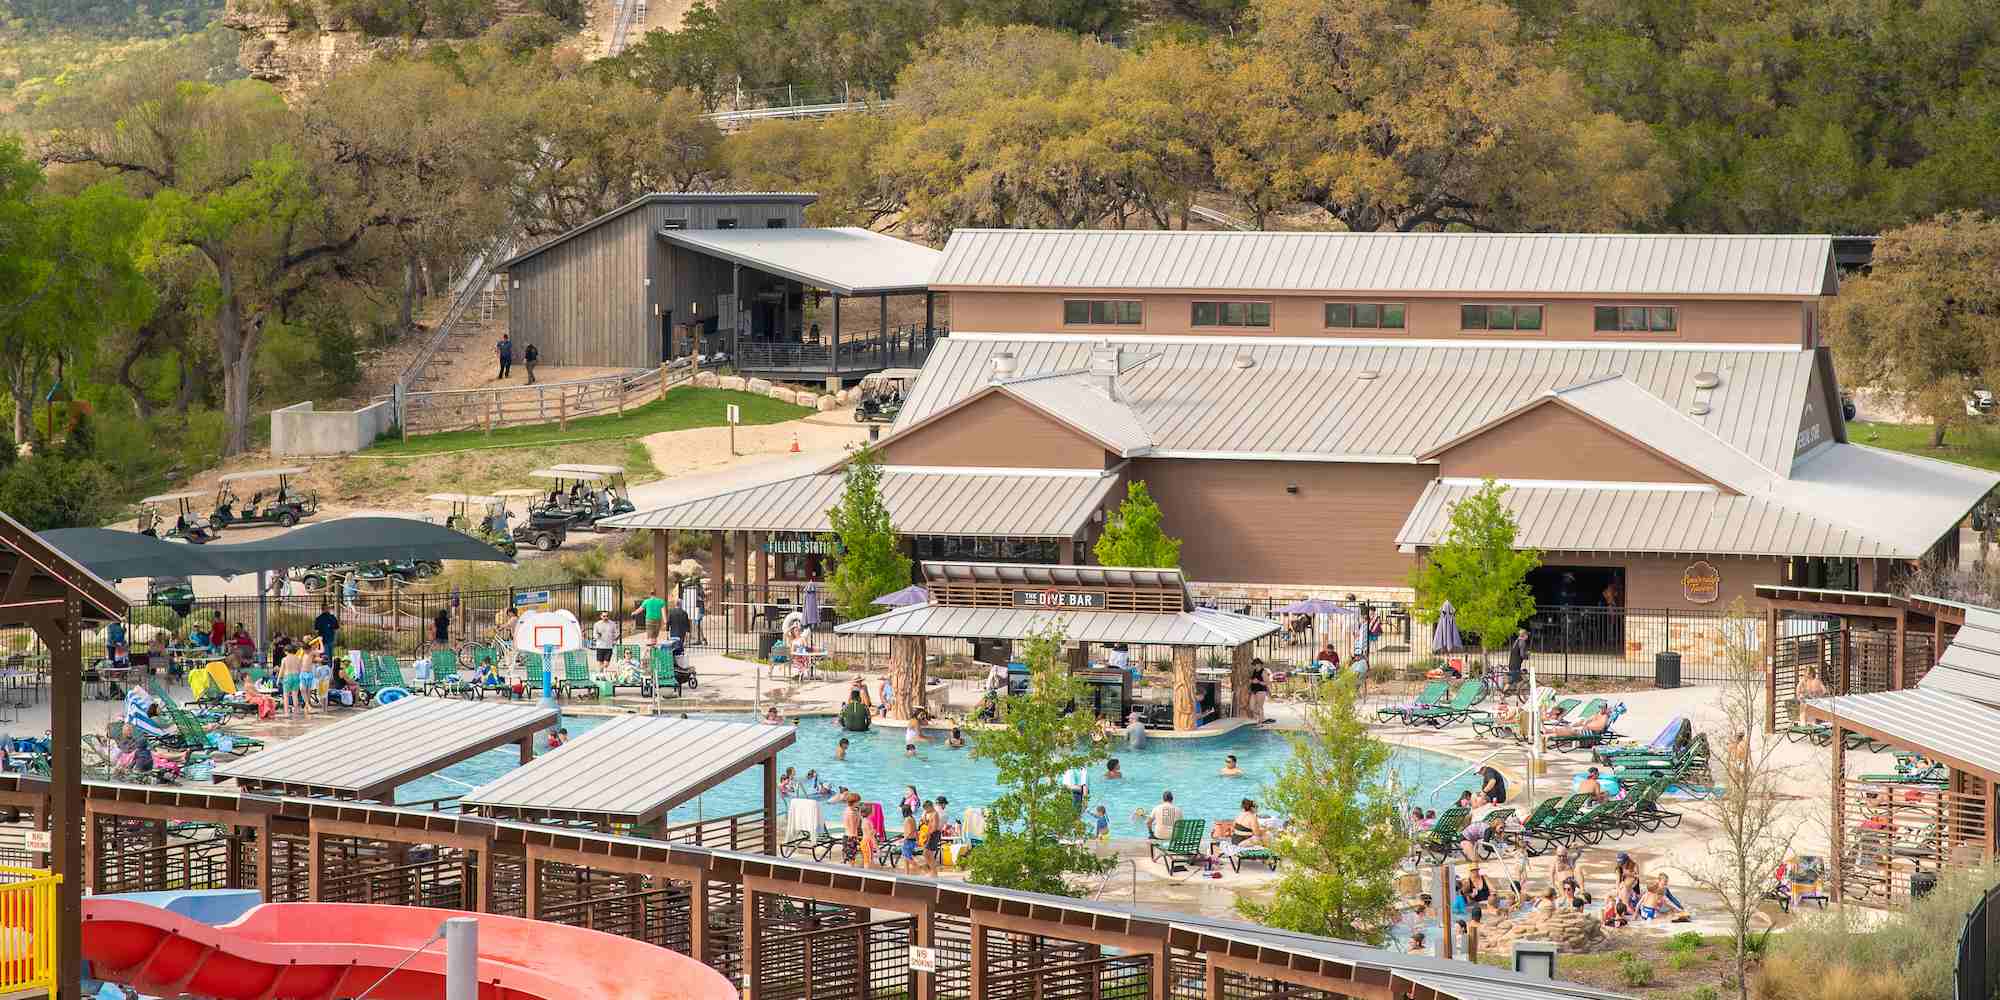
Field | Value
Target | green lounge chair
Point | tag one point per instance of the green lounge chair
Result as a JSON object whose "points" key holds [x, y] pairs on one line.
{"points": [[444, 671], [1441, 841], [664, 675], [1544, 831], [639, 678], [1183, 848], [485, 657], [1463, 701], [1496, 831], [1434, 693], [532, 663], [1259, 854], [1647, 813], [576, 674]]}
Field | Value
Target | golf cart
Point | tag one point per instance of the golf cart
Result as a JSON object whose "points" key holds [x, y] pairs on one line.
{"points": [[188, 526], [284, 508], [463, 507], [545, 529], [617, 496], [883, 393], [176, 592], [320, 576], [577, 496]]}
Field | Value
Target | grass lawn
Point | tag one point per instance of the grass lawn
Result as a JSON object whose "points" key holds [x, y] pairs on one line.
{"points": [[1977, 445], [683, 409]]}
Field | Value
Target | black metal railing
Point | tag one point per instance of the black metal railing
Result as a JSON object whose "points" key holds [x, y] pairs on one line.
{"points": [[903, 346], [1977, 974]]}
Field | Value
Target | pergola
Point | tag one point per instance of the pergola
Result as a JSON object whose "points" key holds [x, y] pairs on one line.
{"points": [[1881, 642], [1089, 604], [1895, 834], [632, 771], [42, 589]]}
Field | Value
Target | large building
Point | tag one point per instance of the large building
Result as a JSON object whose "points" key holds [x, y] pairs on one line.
{"points": [[1306, 408]]}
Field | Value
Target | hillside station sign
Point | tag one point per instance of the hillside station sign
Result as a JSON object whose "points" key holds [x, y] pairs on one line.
{"points": [[1059, 600]]}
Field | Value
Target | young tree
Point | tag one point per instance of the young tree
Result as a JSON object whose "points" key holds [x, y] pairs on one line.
{"points": [[1132, 535], [1477, 568], [1923, 325], [1753, 832], [1034, 831], [1343, 842], [871, 562]]}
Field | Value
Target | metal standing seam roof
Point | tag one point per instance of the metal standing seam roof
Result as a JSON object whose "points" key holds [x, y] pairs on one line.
{"points": [[846, 260], [667, 197], [370, 754], [631, 769], [1072, 399], [1375, 400], [1057, 574], [1494, 263], [1970, 666], [1200, 627], [1028, 503], [1925, 719]]}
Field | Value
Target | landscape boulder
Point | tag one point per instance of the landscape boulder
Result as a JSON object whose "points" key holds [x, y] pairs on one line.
{"points": [[730, 382], [760, 386], [707, 380], [828, 403]]}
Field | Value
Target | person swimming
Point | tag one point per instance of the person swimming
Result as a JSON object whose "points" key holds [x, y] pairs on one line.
{"points": [[1229, 768]]}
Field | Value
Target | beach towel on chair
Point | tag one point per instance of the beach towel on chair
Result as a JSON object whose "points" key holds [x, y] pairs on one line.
{"points": [[802, 818]]}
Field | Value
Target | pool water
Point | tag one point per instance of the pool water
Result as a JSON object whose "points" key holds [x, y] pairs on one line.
{"points": [[875, 767]]}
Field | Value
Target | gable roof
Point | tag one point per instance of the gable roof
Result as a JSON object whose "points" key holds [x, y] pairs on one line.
{"points": [[1970, 666], [845, 260], [1378, 400], [666, 198], [1072, 399], [1723, 266]]}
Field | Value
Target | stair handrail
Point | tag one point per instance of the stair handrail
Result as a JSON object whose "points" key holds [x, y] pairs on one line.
{"points": [[472, 285]]}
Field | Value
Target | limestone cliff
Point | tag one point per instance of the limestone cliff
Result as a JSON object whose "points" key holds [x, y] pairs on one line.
{"points": [[297, 44]]}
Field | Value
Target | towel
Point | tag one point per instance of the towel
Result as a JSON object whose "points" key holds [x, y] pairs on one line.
{"points": [[875, 819], [802, 819], [975, 823]]}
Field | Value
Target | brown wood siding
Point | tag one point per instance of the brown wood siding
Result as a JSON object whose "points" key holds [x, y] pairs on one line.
{"points": [[1700, 321], [1653, 581], [1000, 432], [1237, 524], [589, 300], [1554, 442]]}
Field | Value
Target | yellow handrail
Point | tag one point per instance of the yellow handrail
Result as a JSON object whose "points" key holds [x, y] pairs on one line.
{"points": [[28, 929]]}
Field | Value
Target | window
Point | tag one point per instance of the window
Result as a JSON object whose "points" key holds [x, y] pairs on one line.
{"points": [[1496, 317], [1101, 312], [1637, 319], [1232, 314], [674, 224], [725, 223], [1364, 315], [774, 223]]}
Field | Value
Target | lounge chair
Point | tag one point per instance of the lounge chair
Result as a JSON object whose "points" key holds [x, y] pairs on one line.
{"points": [[1463, 701], [444, 671], [1183, 848], [1441, 840], [1434, 693], [532, 663], [1587, 740], [1496, 821], [576, 674], [1264, 855], [1671, 737], [1544, 831]]}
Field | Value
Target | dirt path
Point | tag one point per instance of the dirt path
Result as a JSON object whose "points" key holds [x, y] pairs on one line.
{"points": [[706, 449]]}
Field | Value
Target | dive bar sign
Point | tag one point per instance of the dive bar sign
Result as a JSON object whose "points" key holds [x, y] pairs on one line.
{"points": [[1059, 599]]}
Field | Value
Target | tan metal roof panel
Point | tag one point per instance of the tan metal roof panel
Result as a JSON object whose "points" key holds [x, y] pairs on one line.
{"points": [[1922, 719], [846, 260], [1073, 399], [1314, 399], [1202, 627], [1493, 263], [370, 754], [630, 769], [1028, 503], [1970, 666]]}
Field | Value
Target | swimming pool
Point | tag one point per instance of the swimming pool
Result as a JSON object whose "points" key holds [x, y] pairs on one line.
{"points": [[875, 767]]}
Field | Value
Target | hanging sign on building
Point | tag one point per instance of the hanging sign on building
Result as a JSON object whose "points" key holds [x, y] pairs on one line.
{"points": [[1058, 599], [1701, 583], [803, 545]]}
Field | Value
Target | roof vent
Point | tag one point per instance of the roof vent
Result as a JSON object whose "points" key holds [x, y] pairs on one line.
{"points": [[1699, 409], [1368, 376], [1245, 361], [1003, 366], [1706, 380]]}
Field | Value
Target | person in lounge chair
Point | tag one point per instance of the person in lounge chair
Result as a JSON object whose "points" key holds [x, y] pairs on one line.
{"points": [[1593, 726]]}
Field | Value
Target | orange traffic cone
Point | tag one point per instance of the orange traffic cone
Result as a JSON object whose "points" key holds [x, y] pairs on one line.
{"points": [[795, 444]]}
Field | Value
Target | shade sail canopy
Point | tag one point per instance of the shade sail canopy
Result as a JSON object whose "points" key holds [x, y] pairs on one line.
{"points": [[614, 772], [121, 554]]}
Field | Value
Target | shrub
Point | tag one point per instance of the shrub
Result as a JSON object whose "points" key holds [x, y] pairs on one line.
{"points": [[1704, 993], [1682, 960], [1685, 941], [1910, 954], [51, 491], [637, 545], [1634, 971]]}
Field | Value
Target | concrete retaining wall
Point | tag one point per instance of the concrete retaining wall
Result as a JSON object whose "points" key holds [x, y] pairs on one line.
{"points": [[298, 429]]}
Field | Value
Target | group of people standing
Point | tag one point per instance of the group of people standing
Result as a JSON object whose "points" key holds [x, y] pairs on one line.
{"points": [[529, 357]]}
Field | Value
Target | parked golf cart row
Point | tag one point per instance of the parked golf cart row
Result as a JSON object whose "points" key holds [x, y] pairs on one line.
{"points": [[578, 497], [283, 506]]}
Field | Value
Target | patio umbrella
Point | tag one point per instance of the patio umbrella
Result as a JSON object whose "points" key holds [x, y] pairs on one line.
{"points": [[911, 594], [1317, 606], [1444, 637]]}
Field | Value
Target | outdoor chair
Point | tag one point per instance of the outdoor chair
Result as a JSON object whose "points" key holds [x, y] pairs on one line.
{"points": [[1183, 848], [531, 662], [1468, 695], [1441, 841], [576, 674], [1673, 735], [1588, 740], [1434, 694], [444, 672], [664, 673], [1236, 857], [1496, 821], [1544, 830]]}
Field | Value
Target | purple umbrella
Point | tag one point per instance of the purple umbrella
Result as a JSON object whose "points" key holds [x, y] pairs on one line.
{"points": [[911, 594], [1444, 637]]}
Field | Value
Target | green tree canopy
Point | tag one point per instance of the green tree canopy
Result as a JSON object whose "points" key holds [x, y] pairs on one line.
{"points": [[1343, 840], [871, 561], [1923, 325], [1477, 568], [1034, 829], [1132, 535]]}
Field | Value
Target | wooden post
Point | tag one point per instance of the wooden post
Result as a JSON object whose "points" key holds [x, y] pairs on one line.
{"points": [[532, 885], [698, 917], [527, 745], [1239, 681], [741, 542], [1184, 701], [978, 962], [64, 641], [621, 398], [882, 336], [906, 674], [1838, 835], [752, 954], [1896, 657], [562, 408], [771, 805], [663, 380], [662, 562], [834, 355]]}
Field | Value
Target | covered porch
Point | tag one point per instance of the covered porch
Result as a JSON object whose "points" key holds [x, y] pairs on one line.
{"points": [[801, 304]]}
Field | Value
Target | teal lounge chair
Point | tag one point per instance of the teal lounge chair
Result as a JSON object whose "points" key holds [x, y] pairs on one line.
{"points": [[1183, 848], [1463, 701], [1434, 694]]}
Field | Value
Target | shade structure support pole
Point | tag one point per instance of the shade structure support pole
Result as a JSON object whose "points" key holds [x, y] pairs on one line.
{"points": [[1184, 703], [263, 611], [64, 641], [741, 571]]}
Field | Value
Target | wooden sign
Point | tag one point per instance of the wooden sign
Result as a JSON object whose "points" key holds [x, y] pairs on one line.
{"points": [[1701, 583], [1059, 600]]}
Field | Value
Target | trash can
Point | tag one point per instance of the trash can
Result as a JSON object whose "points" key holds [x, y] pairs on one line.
{"points": [[1667, 670], [765, 640]]}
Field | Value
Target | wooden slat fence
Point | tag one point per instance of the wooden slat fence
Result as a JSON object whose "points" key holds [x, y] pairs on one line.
{"points": [[542, 403]]}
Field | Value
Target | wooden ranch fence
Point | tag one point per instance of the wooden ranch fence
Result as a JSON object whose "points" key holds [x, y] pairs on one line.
{"points": [[549, 402]]}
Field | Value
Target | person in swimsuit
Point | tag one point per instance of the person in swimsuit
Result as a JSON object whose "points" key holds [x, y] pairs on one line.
{"points": [[1259, 692], [909, 837], [1229, 768], [1247, 828]]}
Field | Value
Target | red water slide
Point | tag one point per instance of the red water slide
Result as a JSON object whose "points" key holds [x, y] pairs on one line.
{"points": [[319, 951]]}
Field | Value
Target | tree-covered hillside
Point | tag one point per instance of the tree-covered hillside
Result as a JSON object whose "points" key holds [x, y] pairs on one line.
{"points": [[118, 18]]}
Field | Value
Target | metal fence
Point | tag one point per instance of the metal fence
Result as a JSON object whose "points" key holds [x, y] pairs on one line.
{"points": [[1565, 643], [1977, 974]]}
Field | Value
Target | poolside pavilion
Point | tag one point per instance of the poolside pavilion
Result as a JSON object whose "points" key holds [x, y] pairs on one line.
{"points": [[367, 756], [1007, 602], [1893, 834]]}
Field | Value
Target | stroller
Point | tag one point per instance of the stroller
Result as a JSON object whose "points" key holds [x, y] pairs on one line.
{"points": [[1798, 880]]}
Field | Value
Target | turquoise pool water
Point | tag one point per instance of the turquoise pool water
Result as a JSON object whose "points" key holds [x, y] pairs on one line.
{"points": [[875, 767]]}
